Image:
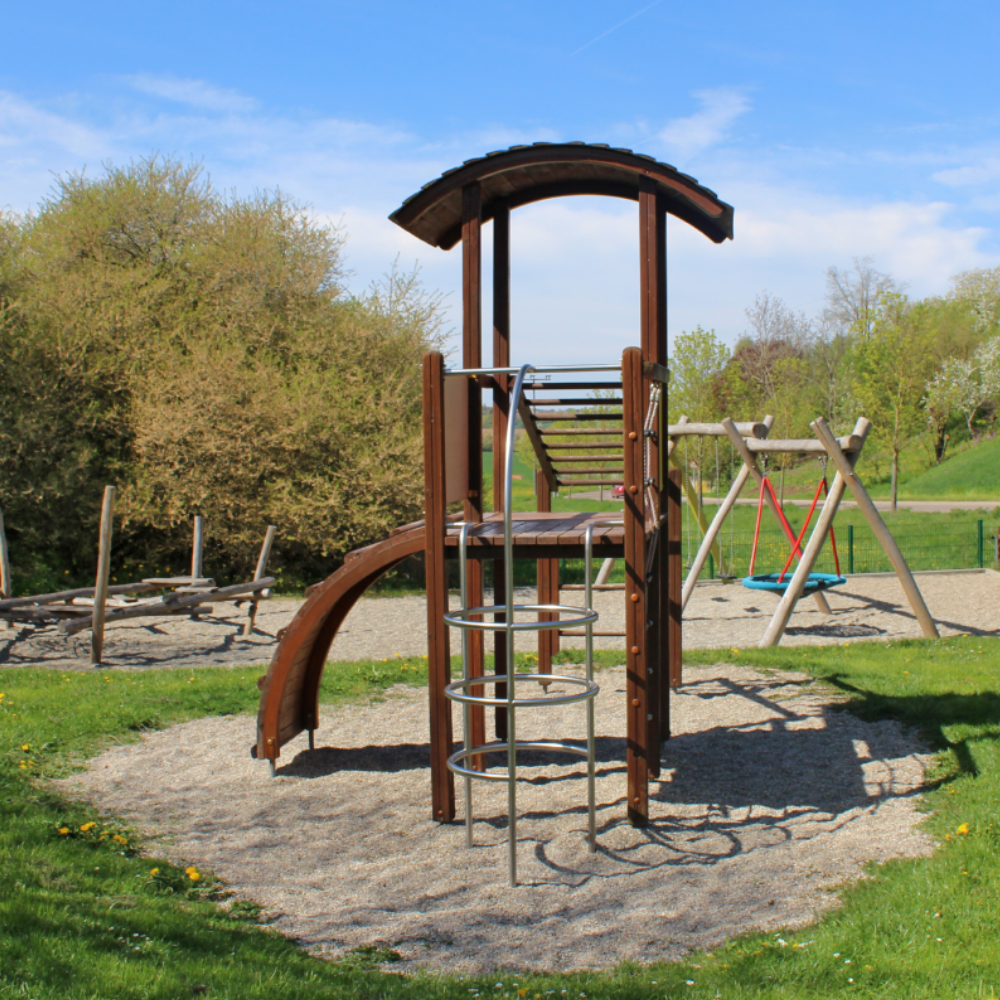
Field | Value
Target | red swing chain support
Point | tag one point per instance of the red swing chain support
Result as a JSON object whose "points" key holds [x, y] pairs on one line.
{"points": [[796, 542]]}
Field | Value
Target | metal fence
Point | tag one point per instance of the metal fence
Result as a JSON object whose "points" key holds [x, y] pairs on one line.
{"points": [[955, 546]]}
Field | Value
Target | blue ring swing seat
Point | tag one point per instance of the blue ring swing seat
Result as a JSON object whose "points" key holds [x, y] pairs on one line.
{"points": [[815, 581]]}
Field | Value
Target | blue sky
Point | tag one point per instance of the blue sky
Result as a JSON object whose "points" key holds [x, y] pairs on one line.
{"points": [[836, 131]]}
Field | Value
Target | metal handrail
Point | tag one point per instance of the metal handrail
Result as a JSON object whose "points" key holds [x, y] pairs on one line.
{"points": [[539, 369], [458, 690]]}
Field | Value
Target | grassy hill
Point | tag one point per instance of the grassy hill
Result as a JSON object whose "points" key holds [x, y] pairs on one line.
{"points": [[973, 474]]}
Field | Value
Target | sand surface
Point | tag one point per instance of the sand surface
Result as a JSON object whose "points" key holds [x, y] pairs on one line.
{"points": [[770, 796]]}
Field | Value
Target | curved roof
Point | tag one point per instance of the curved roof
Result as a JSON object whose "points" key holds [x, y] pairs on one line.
{"points": [[523, 174]]}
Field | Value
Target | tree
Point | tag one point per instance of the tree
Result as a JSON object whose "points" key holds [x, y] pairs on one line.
{"points": [[852, 296], [773, 362], [980, 289], [893, 366], [698, 362], [202, 353]]}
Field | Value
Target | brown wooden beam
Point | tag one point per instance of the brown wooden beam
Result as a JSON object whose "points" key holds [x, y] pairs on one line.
{"points": [[472, 357], [438, 647], [547, 576], [501, 414], [637, 689]]}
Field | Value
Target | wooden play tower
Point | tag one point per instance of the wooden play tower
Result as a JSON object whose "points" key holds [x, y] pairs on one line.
{"points": [[451, 210]]}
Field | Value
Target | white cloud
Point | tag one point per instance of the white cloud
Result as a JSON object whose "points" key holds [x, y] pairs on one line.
{"points": [[196, 93], [24, 125], [575, 261], [720, 107], [981, 173]]}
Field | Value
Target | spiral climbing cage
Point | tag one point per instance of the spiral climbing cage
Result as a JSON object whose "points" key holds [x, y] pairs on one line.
{"points": [[509, 687]]}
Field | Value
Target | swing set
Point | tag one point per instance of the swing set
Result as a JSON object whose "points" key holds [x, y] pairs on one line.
{"points": [[750, 440]]}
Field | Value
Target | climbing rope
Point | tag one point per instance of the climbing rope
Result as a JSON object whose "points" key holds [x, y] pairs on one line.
{"points": [[649, 436]]}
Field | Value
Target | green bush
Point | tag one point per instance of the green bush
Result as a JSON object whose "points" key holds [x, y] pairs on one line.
{"points": [[201, 353]]}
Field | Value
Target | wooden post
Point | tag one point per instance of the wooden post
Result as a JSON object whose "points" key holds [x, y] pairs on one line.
{"points": [[103, 572], [259, 572], [881, 532], [708, 542], [783, 612], [654, 641], [547, 581], [675, 570], [636, 684], [197, 544], [472, 357], [741, 446], [501, 414], [6, 587], [438, 646]]}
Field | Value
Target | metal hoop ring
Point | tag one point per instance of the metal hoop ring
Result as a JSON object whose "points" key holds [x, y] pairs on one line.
{"points": [[455, 765], [460, 618], [457, 690]]}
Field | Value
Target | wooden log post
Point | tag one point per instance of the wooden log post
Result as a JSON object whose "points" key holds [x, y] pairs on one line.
{"points": [[547, 582], [438, 640], [653, 641], [103, 573], [6, 587], [259, 572], [716, 526], [638, 761], [501, 414], [867, 506], [783, 612], [751, 463], [197, 546]]}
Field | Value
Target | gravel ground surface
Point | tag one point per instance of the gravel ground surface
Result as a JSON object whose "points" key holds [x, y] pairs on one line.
{"points": [[718, 615], [769, 798]]}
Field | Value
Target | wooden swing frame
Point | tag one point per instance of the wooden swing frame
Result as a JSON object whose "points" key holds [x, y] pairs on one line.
{"points": [[751, 439]]}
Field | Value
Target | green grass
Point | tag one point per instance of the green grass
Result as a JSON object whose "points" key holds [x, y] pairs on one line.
{"points": [[972, 474], [83, 917]]}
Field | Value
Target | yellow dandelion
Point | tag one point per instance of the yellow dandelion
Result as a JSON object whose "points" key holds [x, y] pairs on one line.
{"points": [[87, 827], [153, 872], [119, 839], [25, 747], [194, 876], [63, 830], [963, 828]]}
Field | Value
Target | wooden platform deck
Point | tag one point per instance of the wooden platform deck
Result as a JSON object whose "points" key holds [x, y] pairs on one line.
{"points": [[545, 535]]}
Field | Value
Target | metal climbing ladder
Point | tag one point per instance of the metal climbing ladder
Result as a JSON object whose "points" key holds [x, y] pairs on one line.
{"points": [[582, 689]]}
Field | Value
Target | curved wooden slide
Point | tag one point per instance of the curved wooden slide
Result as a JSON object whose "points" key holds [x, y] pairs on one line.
{"points": [[289, 699]]}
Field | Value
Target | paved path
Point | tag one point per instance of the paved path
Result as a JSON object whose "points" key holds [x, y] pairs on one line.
{"points": [[928, 506]]}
